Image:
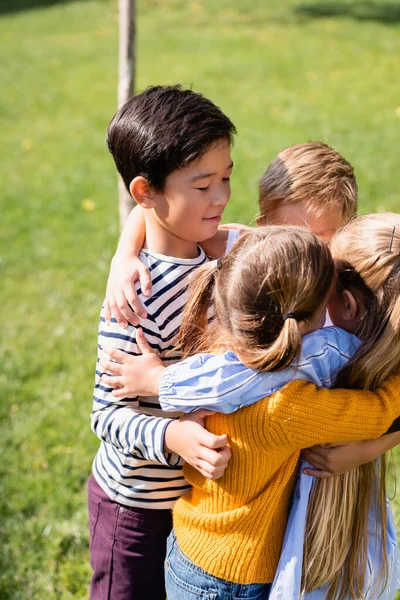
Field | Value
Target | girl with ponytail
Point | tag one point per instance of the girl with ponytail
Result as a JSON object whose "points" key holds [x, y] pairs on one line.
{"points": [[269, 292]]}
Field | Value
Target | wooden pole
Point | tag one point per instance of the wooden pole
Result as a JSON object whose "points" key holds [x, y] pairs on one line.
{"points": [[125, 84]]}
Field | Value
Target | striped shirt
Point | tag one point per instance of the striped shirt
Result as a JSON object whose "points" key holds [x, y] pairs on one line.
{"points": [[130, 465]]}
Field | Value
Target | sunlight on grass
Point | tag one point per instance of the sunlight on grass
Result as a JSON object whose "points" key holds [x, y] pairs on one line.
{"points": [[284, 71]]}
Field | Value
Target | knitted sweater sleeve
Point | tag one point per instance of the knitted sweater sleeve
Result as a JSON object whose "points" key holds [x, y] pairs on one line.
{"points": [[301, 415]]}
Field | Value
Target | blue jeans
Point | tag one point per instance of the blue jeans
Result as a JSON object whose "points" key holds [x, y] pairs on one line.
{"points": [[186, 581]]}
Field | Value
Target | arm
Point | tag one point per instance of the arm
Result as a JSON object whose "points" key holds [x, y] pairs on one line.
{"points": [[217, 245], [302, 415], [119, 421], [122, 423], [215, 382], [122, 300], [221, 382], [308, 416], [126, 268], [335, 460], [134, 233]]}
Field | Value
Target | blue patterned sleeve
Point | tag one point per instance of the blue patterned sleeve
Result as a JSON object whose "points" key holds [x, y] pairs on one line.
{"points": [[223, 384]]}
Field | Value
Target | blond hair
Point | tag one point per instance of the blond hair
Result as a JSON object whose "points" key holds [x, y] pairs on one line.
{"points": [[269, 274], [367, 256], [313, 174]]}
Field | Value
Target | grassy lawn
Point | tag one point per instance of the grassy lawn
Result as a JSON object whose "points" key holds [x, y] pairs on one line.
{"points": [[284, 71]]}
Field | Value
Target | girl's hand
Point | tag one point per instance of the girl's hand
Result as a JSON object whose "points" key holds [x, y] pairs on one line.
{"points": [[335, 459], [122, 301], [140, 376], [329, 460], [206, 452], [133, 375]]}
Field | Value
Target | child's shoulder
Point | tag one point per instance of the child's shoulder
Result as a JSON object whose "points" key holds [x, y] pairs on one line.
{"points": [[333, 338], [170, 277], [327, 350], [170, 268]]}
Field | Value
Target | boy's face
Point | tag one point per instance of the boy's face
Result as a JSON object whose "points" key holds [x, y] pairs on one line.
{"points": [[191, 204], [324, 226]]}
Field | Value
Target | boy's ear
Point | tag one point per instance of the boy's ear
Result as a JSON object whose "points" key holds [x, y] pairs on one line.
{"points": [[141, 192], [351, 309]]}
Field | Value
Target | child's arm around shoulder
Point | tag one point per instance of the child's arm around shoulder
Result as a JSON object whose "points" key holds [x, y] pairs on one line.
{"points": [[303, 415], [220, 382], [122, 301], [118, 419], [223, 240]]}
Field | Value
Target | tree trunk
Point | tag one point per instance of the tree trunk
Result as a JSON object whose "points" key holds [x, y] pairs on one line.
{"points": [[126, 84]]}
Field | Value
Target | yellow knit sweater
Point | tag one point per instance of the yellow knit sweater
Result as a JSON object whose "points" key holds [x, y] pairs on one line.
{"points": [[233, 528]]}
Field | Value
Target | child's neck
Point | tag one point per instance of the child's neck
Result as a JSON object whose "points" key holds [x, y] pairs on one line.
{"points": [[162, 241]]}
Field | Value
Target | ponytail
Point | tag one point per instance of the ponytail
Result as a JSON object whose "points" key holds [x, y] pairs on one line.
{"points": [[273, 278], [276, 356]]}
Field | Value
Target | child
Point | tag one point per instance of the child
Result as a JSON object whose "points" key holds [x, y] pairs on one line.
{"points": [[263, 302], [178, 172], [307, 184]]}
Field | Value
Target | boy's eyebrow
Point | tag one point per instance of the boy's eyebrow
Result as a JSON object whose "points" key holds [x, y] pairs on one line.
{"points": [[205, 175]]}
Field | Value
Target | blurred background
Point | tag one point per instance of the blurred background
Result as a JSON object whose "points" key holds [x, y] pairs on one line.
{"points": [[285, 71]]}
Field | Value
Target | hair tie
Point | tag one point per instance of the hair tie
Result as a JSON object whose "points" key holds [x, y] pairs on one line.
{"points": [[289, 316], [219, 263]]}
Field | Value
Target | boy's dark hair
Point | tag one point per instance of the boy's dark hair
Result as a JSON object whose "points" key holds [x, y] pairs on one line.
{"points": [[163, 129]]}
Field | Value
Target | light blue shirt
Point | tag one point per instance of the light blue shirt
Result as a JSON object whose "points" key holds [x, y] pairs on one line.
{"points": [[223, 384], [287, 582]]}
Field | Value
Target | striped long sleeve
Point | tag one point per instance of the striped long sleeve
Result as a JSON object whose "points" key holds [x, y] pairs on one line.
{"points": [[123, 423], [131, 465]]}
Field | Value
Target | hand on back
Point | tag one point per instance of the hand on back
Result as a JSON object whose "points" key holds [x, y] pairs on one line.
{"points": [[329, 460], [206, 452], [132, 376]]}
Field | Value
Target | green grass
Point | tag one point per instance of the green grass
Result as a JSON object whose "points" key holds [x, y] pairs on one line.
{"points": [[284, 71]]}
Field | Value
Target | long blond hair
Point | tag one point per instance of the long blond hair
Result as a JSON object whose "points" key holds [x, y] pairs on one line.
{"points": [[367, 256], [270, 274]]}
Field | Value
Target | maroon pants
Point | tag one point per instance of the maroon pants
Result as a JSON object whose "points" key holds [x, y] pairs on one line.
{"points": [[127, 549]]}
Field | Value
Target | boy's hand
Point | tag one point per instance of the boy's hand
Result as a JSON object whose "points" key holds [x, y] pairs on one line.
{"points": [[122, 300], [133, 375], [206, 452]]}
